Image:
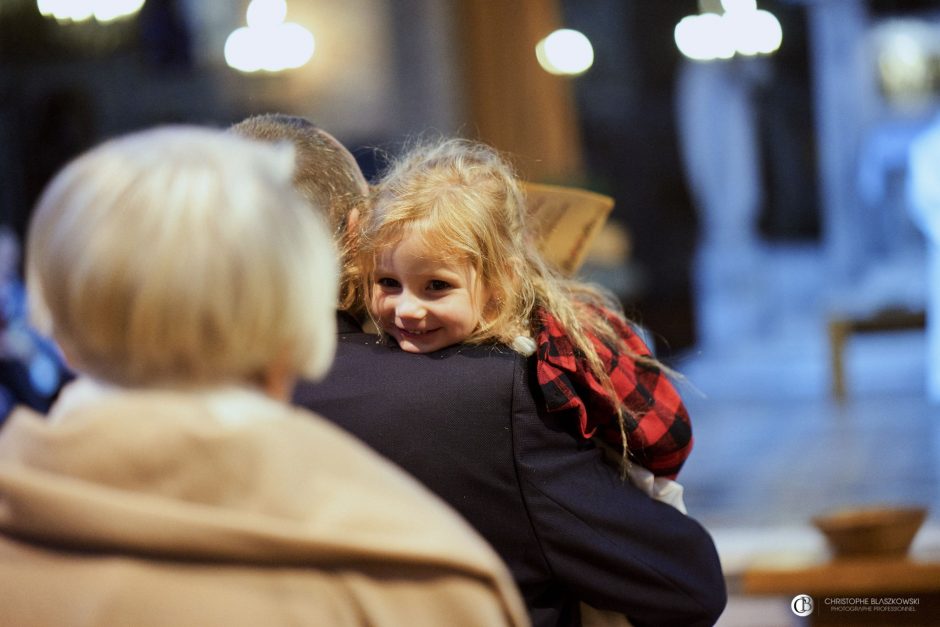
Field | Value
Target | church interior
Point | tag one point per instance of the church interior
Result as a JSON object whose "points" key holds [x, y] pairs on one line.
{"points": [[776, 220]]}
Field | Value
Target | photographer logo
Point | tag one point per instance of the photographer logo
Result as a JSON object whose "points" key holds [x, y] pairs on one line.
{"points": [[802, 605]]}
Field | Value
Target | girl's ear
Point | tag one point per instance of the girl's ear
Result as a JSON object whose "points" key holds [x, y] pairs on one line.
{"points": [[483, 295], [352, 220], [499, 295]]}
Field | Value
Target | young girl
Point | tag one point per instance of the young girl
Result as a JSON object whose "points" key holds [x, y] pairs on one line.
{"points": [[446, 257]]}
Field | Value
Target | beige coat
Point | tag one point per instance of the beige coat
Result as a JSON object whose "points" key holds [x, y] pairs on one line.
{"points": [[160, 508]]}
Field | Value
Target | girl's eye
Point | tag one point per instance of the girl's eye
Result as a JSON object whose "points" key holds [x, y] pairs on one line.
{"points": [[437, 285], [388, 283]]}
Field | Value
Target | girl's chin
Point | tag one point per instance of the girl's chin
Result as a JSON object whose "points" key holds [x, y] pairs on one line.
{"points": [[408, 347]]}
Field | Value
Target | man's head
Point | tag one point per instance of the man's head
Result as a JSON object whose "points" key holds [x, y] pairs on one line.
{"points": [[183, 256], [328, 176], [326, 172]]}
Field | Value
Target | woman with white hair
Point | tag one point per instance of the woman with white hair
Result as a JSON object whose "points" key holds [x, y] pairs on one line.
{"points": [[189, 285]]}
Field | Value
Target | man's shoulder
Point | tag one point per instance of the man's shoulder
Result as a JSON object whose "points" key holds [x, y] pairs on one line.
{"points": [[366, 347], [458, 382], [351, 334]]}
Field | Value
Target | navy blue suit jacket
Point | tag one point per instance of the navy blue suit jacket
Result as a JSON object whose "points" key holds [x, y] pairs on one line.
{"points": [[464, 421]]}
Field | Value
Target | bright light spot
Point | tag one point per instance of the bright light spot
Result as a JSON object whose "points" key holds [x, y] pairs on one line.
{"points": [[704, 37], [739, 5], [904, 63], [565, 51], [298, 43], [753, 32], [262, 13], [81, 10], [238, 50], [743, 37], [768, 30], [742, 29], [110, 10], [77, 12], [268, 42]]}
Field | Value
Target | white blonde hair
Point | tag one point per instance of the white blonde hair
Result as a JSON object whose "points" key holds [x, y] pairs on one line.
{"points": [[182, 256]]}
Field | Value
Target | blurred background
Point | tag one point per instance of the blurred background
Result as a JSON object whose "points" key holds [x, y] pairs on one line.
{"points": [[775, 167]]}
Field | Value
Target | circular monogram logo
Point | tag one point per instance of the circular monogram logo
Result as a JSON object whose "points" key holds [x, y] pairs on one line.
{"points": [[802, 605]]}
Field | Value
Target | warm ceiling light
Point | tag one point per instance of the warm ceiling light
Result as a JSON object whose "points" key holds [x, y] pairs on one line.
{"points": [[81, 10], [268, 42], [567, 52], [742, 29]]}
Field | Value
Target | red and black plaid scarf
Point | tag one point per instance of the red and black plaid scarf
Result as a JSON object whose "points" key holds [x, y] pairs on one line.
{"points": [[659, 433]]}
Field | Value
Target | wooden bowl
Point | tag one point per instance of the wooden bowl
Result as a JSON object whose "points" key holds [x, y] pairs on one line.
{"points": [[871, 531]]}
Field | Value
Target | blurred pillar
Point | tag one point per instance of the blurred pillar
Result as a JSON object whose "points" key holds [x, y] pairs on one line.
{"points": [[511, 102], [845, 95], [924, 203], [720, 148]]}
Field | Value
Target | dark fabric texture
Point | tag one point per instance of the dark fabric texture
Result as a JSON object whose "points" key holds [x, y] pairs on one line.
{"points": [[659, 432], [465, 421]]}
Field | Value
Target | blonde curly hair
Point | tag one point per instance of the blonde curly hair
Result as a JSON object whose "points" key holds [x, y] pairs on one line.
{"points": [[464, 200]]}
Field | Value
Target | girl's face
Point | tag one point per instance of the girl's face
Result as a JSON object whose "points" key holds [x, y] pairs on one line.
{"points": [[425, 305]]}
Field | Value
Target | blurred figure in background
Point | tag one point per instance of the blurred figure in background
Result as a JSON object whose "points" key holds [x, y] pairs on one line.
{"points": [[31, 370]]}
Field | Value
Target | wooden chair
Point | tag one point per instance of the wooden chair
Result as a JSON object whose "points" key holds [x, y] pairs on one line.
{"points": [[843, 326], [566, 221]]}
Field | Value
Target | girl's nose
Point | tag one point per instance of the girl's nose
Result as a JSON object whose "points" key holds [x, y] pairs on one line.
{"points": [[409, 307]]}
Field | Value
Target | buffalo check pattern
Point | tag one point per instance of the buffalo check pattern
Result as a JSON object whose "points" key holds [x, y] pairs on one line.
{"points": [[659, 432]]}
